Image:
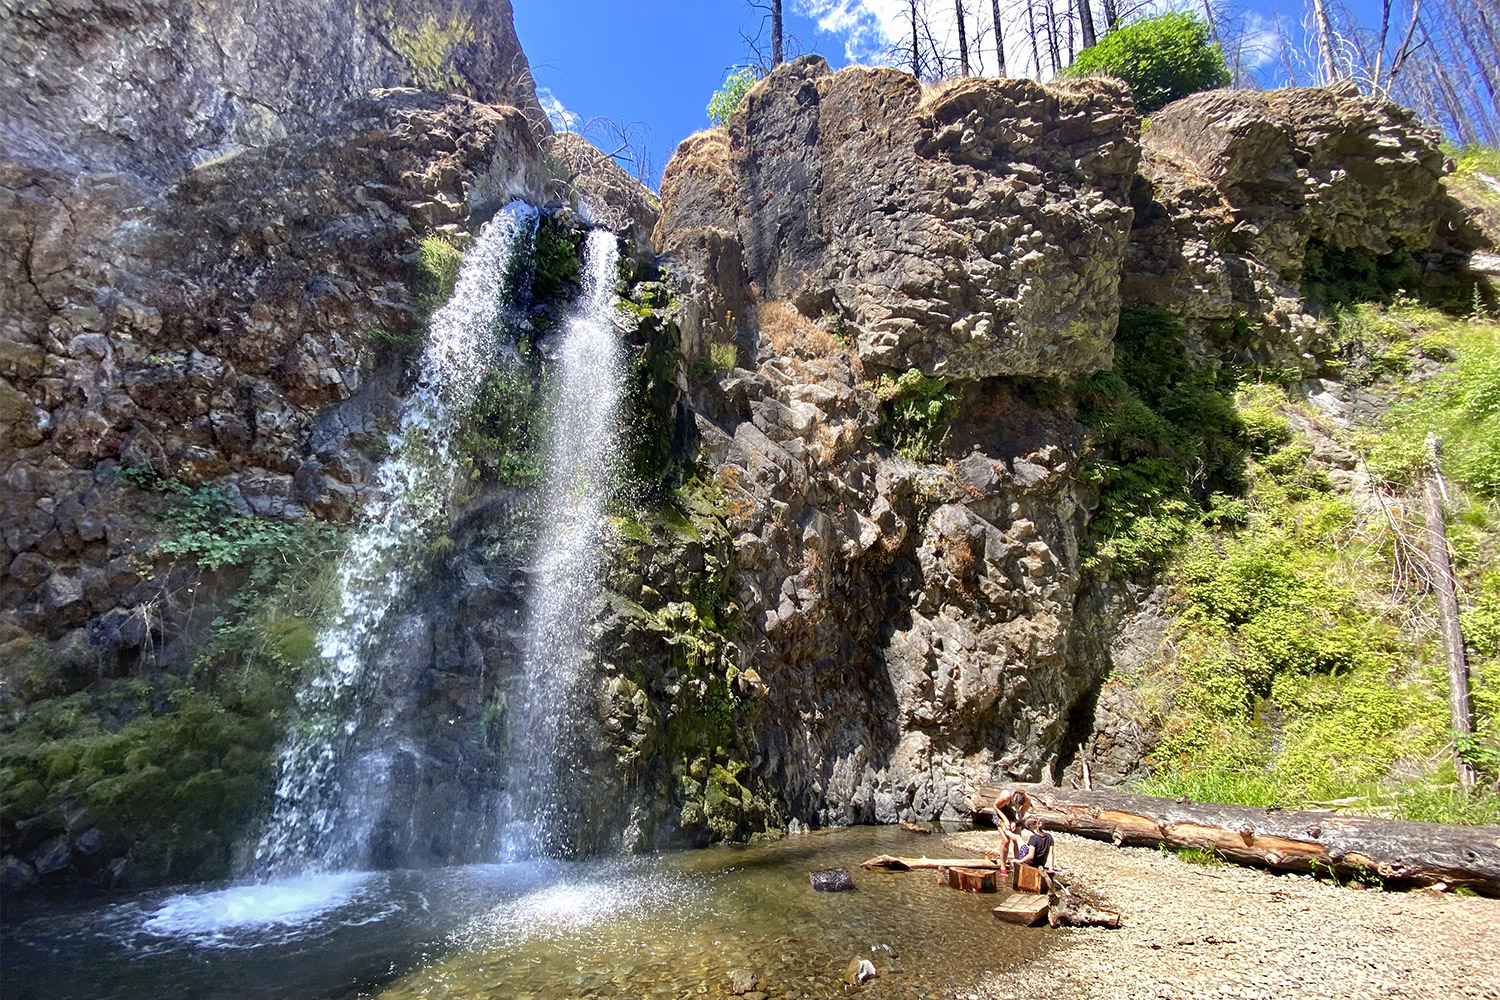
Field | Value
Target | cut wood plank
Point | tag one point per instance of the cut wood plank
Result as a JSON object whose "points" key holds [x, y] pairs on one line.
{"points": [[895, 864], [1022, 908], [972, 879], [1398, 851]]}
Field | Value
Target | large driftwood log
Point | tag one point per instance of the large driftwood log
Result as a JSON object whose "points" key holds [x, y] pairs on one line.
{"points": [[1400, 852]]}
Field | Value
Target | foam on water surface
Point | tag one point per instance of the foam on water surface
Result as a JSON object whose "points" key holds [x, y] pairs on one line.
{"points": [[214, 916]]}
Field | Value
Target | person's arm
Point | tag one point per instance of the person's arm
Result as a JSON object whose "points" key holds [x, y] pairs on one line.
{"points": [[1025, 852]]}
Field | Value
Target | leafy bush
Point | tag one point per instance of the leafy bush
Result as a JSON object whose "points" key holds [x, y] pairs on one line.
{"points": [[726, 99], [1163, 58], [1461, 406], [555, 262], [915, 413]]}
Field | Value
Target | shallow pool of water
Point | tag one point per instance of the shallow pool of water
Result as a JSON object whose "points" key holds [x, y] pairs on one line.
{"points": [[672, 926]]}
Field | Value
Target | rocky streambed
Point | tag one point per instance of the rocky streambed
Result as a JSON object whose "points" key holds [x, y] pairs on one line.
{"points": [[1192, 932]]}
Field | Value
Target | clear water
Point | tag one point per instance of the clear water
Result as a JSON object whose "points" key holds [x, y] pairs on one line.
{"points": [[676, 925], [332, 770], [583, 453]]}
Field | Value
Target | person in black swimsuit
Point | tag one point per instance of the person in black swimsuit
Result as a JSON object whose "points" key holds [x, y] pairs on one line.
{"points": [[1036, 850]]}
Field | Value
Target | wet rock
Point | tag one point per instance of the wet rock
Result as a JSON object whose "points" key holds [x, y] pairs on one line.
{"points": [[16, 876], [858, 970], [53, 857], [743, 981], [832, 880]]}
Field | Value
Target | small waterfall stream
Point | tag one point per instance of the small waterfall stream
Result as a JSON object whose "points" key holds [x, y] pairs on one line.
{"points": [[583, 455], [323, 814]]}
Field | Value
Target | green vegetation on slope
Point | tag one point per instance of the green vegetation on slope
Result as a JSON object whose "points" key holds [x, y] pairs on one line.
{"points": [[176, 765], [1170, 445], [1306, 665]]}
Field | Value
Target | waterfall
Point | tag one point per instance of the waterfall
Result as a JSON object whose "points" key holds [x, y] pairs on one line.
{"points": [[583, 437], [327, 797]]}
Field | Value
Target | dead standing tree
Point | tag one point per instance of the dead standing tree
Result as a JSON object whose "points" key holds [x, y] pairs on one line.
{"points": [[1444, 588], [999, 35], [963, 38]]}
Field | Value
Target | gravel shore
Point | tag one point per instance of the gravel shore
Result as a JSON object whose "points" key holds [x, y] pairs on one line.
{"points": [[1192, 932]]}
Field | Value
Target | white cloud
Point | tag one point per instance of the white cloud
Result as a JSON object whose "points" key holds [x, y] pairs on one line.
{"points": [[1261, 43], [563, 119]]}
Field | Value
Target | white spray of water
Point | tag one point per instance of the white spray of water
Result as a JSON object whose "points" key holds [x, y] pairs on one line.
{"points": [[317, 822], [582, 462]]}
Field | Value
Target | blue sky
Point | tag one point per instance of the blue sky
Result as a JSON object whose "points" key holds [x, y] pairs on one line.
{"points": [[657, 62]]}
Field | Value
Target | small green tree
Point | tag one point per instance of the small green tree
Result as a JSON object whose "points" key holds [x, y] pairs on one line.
{"points": [[728, 97], [1162, 58]]}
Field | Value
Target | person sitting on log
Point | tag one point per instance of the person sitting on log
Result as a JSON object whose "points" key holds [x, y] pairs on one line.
{"points": [[1036, 849]]}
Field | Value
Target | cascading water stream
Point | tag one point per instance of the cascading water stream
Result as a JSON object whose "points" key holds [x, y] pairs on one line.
{"points": [[322, 816], [583, 457]]}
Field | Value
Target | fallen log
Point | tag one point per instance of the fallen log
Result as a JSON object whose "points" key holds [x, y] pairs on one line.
{"points": [[894, 864], [1399, 852], [1065, 911]]}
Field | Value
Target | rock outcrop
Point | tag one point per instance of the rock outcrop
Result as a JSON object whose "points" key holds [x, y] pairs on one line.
{"points": [[150, 89], [970, 231], [227, 336], [1248, 203]]}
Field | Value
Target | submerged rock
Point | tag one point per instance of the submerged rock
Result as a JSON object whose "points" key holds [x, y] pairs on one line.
{"points": [[832, 880]]}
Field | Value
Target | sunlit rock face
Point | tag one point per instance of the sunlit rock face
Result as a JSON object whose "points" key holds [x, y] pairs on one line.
{"points": [[974, 230], [914, 623], [152, 88]]}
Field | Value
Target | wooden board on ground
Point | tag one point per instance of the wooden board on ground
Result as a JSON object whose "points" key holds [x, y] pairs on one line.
{"points": [[1024, 878], [895, 864], [1398, 851], [1022, 908], [972, 879]]}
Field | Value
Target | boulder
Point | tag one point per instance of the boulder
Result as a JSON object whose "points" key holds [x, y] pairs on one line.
{"points": [[1243, 195]]}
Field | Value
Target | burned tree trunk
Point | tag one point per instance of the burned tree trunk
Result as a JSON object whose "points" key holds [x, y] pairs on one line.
{"points": [[1447, 597], [1398, 851]]}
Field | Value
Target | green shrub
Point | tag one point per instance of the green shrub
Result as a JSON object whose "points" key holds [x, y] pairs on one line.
{"points": [[1170, 443], [915, 413], [1163, 58], [726, 99], [555, 262], [1461, 406]]}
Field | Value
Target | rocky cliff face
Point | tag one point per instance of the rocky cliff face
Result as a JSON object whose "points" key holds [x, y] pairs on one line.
{"points": [[850, 580], [150, 89], [909, 618], [227, 335], [970, 232]]}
